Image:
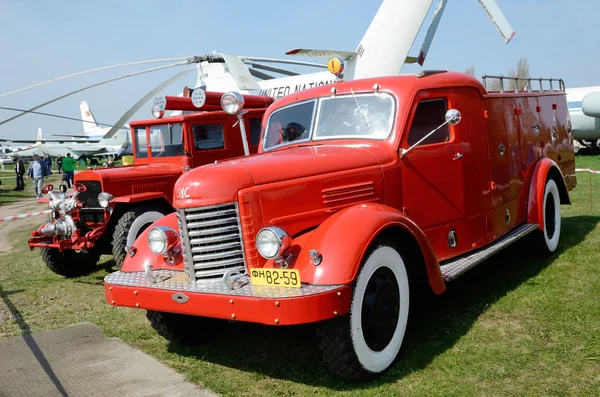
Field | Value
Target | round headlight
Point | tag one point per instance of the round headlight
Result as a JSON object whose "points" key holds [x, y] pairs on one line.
{"points": [[162, 239], [104, 199], [158, 111], [272, 242], [232, 102], [157, 240]]}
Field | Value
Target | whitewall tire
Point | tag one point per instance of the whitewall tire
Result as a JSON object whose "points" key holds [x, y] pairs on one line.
{"points": [[552, 217], [140, 224], [366, 342]]}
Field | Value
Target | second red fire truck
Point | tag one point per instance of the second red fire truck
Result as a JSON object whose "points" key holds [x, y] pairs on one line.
{"points": [[111, 207]]}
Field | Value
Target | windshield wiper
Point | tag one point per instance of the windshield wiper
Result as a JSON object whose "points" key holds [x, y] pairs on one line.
{"points": [[358, 106]]}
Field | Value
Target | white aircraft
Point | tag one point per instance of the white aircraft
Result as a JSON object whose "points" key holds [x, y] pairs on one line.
{"points": [[92, 143], [27, 151], [382, 51], [584, 109]]}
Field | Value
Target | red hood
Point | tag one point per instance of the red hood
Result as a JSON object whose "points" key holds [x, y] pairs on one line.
{"points": [[220, 183], [130, 173]]}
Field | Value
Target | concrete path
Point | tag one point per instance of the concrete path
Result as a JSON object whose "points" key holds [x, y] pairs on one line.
{"points": [[79, 361]]}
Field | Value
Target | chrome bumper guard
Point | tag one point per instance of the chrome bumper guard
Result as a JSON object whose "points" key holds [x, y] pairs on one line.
{"points": [[178, 281]]}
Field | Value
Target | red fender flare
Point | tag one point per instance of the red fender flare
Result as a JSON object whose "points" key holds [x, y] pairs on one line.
{"points": [[344, 238], [144, 255], [537, 186]]}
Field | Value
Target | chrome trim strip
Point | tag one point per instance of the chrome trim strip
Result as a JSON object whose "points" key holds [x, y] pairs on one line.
{"points": [[189, 263], [219, 213], [175, 281]]}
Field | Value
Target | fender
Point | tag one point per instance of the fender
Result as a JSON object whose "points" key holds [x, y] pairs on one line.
{"points": [[136, 198], [144, 255], [537, 186], [344, 238]]}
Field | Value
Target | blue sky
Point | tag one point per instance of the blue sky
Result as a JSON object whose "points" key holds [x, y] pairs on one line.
{"points": [[40, 40]]}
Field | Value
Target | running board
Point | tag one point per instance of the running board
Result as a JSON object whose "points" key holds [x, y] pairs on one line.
{"points": [[453, 268]]}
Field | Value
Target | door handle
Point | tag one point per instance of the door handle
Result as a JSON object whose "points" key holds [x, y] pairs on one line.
{"points": [[457, 156]]}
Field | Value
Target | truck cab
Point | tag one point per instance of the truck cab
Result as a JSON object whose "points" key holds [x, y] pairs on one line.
{"points": [[361, 194], [112, 206]]}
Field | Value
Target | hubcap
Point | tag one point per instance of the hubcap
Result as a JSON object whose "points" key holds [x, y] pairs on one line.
{"points": [[549, 217], [380, 309]]}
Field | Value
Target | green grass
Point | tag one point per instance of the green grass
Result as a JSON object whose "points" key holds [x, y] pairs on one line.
{"points": [[10, 196], [516, 325]]}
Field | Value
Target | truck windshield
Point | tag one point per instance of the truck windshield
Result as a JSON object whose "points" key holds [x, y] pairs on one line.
{"points": [[166, 140], [365, 116]]}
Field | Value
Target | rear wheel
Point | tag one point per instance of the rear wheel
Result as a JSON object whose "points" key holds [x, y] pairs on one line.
{"points": [[365, 342], [185, 329], [70, 263], [549, 236], [129, 227]]}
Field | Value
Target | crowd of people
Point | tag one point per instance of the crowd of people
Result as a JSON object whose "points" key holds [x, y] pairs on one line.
{"points": [[40, 168]]}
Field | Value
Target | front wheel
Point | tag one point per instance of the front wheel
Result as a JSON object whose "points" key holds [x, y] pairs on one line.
{"points": [[365, 342], [70, 263], [129, 227]]}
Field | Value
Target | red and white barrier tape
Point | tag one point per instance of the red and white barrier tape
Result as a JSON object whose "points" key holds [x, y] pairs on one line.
{"points": [[587, 170], [9, 218]]}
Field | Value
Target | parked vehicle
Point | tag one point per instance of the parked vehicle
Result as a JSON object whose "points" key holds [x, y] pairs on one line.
{"points": [[112, 206], [361, 193]]}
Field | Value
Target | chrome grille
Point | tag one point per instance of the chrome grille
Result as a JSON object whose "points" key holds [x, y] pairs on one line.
{"points": [[212, 240]]}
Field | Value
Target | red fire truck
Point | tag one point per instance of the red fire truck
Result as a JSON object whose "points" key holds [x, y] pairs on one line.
{"points": [[361, 193], [111, 207]]}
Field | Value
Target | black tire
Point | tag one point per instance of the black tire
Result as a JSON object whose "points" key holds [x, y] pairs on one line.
{"points": [[365, 343], [131, 224], [184, 329], [70, 263], [549, 237]]}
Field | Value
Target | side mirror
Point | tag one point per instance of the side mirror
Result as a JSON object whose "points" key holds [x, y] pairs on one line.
{"points": [[453, 117]]}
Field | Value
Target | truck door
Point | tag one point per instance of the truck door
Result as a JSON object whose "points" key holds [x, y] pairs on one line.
{"points": [[209, 141], [444, 176]]}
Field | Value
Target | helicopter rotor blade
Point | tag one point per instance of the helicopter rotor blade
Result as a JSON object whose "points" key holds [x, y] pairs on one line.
{"points": [[272, 69], [90, 71], [260, 75], [92, 86], [128, 114], [285, 61]]}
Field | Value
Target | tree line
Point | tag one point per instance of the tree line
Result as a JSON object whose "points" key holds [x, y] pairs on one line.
{"points": [[521, 71]]}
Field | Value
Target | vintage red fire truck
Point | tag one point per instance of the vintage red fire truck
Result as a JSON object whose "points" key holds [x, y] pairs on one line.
{"points": [[361, 193], [111, 207]]}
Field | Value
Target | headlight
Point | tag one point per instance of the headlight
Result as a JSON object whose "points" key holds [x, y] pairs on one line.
{"points": [[161, 239], [232, 102], [104, 199], [272, 242], [158, 111]]}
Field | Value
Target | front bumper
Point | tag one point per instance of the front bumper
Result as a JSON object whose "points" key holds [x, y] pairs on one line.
{"points": [[251, 303], [96, 220], [75, 242]]}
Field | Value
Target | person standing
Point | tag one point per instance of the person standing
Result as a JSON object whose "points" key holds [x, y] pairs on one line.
{"points": [[59, 164], [68, 165], [37, 171], [19, 171], [48, 163]]}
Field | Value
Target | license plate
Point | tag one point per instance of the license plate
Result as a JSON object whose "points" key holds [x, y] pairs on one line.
{"points": [[276, 277]]}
